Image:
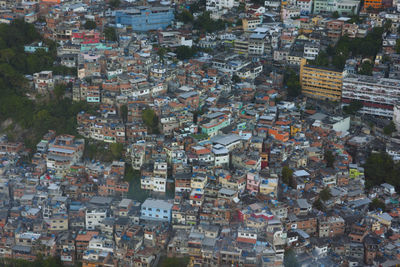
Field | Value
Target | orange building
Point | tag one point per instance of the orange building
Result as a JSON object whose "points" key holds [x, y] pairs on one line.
{"points": [[376, 4]]}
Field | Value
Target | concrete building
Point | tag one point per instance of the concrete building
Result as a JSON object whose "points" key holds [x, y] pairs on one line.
{"points": [[379, 96], [156, 210], [320, 82], [145, 18], [343, 7]]}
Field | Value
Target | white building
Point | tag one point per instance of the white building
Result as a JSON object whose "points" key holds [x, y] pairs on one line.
{"points": [[213, 5], [94, 217], [379, 96], [221, 155]]}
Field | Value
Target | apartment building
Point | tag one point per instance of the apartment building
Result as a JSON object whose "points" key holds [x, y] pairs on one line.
{"points": [[321, 82], [343, 7], [63, 153], [379, 96], [158, 210], [145, 18]]}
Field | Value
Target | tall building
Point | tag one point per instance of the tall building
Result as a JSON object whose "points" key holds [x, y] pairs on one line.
{"points": [[145, 18], [379, 96], [320, 82]]}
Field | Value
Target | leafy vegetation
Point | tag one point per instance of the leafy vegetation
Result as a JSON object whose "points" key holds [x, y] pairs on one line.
{"points": [[90, 25], [100, 151], [292, 81], [377, 204], [366, 68], [172, 262], [380, 168], [39, 262], [287, 176], [289, 259], [205, 23], [150, 118], [390, 128], [110, 34], [353, 107], [366, 47], [325, 194], [185, 52], [329, 158], [133, 177], [185, 16], [58, 114]]}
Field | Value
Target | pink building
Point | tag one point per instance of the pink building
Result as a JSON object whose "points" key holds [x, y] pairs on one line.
{"points": [[253, 182]]}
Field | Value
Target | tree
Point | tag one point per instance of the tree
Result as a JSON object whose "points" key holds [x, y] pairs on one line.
{"points": [[235, 78], [59, 90], [172, 262], [124, 113], [161, 53], [322, 59], [377, 204], [325, 194], [115, 3], [366, 68], [185, 52], [185, 16], [90, 25], [116, 150], [110, 34], [397, 47], [292, 81], [353, 107], [335, 15], [329, 158], [387, 25], [289, 259], [287, 176], [390, 128], [150, 119], [318, 205], [380, 168]]}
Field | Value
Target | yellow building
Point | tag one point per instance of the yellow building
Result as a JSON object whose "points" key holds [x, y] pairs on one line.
{"points": [[320, 82]]}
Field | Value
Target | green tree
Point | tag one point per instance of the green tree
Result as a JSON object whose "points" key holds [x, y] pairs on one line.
{"points": [[184, 16], [150, 119], [161, 53], [325, 194], [353, 107], [377, 204], [366, 68], [287, 176], [172, 262], [124, 113], [390, 128], [110, 34], [90, 25], [329, 158], [380, 168], [185, 52], [387, 25], [397, 47], [318, 205], [289, 259], [59, 90], [335, 15], [116, 150], [322, 59], [115, 3], [235, 78], [292, 81]]}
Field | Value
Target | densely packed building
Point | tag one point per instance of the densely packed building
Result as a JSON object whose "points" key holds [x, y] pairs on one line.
{"points": [[194, 147]]}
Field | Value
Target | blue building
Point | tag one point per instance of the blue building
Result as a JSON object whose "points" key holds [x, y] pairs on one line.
{"points": [[156, 210], [32, 48], [145, 18]]}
